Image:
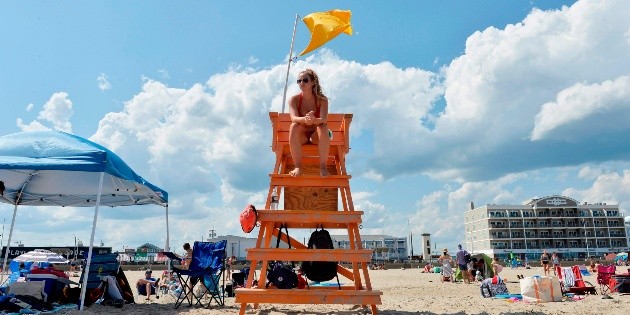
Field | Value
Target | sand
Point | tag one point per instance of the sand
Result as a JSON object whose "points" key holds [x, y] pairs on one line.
{"points": [[404, 292]]}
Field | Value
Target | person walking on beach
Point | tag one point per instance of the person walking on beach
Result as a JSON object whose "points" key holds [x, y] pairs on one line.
{"points": [[309, 114], [447, 270], [555, 260], [544, 261], [462, 263]]}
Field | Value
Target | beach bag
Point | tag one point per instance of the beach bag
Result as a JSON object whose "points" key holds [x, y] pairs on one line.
{"points": [[320, 270], [279, 274], [248, 218], [493, 286], [541, 289], [485, 290]]}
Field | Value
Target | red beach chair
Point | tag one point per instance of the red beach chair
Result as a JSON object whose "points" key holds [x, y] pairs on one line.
{"points": [[604, 277]]}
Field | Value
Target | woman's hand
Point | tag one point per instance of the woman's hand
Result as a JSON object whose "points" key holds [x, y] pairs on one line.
{"points": [[309, 119]]}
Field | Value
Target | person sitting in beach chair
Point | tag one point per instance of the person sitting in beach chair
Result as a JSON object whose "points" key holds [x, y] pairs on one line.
{"points": [[148, 285], [447, 269]]}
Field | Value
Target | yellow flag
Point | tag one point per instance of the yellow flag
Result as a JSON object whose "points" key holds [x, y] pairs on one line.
{"points": [[325, 26]]}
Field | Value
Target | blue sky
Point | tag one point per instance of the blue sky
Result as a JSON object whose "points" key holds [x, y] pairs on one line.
{"points": [[480, 101]]}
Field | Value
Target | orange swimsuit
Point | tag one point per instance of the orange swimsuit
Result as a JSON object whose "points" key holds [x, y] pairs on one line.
{"points": [[300, 105]]}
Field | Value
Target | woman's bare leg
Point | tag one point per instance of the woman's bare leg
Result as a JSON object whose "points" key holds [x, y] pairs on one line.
{"points": [[323, 147], [297, 137]]}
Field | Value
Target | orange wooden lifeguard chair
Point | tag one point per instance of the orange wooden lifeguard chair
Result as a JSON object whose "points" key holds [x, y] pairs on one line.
{"points": [[309, 201]]}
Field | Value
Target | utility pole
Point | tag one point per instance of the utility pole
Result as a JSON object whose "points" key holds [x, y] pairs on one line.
{"points": [[411, 238]]}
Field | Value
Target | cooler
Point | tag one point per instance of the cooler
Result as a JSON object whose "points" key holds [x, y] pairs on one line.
{"points": [[53, 288]]}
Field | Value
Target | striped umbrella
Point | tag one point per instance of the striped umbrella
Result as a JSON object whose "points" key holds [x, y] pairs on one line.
{"points": [[41, 255]]}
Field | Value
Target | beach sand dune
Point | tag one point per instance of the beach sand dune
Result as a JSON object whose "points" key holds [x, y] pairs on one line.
{"points": [[404, 292]]}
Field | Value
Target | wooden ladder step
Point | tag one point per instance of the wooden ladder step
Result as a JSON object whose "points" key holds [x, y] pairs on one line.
{"points": [[306, 296], [310, 219], [305, 254], [285, 180]]}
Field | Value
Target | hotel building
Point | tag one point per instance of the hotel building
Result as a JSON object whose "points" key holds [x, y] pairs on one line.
{"points": [[555, 223], [386, 248]]}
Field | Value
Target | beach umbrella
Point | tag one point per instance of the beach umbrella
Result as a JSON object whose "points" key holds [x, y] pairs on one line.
{"points": [[53, 168], [622, 256], [42, 255]]}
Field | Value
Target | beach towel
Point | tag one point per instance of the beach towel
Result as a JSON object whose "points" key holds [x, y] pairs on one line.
{"points": [[447, 270], [568, 278], [584, 270]]}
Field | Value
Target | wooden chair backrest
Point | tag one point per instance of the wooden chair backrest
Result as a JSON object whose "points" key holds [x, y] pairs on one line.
{"points": [[338, 123]]}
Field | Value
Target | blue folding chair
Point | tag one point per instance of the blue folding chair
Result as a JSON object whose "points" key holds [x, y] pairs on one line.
{"points": [[206, 268]]}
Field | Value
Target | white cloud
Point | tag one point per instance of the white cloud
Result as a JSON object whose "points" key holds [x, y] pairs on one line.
{"points": [[29, 107], [32, 126], [575, 109], [612, 187], [372, 175], [495, 90], [163, 74], [208, 144], [57, 110], [441, 213], [103, 83]]}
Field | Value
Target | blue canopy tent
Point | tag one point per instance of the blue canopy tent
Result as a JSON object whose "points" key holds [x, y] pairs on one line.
{"points": [[53, 168]]}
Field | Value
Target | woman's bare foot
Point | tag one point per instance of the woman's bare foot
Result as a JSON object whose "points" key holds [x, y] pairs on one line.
{"points": [[323, 171], [295, 172]]}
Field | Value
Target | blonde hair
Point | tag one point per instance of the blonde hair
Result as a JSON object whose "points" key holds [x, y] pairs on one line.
{"points": [[317, 89]]}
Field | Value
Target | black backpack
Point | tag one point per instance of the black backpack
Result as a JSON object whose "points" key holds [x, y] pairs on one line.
{"points": [[320, 270], [467, 257], [280, 274]]}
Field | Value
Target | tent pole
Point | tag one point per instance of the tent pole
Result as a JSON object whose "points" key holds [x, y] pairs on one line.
{"points": [[86, 273], [167, 247], [6, 253], [17, 202]]}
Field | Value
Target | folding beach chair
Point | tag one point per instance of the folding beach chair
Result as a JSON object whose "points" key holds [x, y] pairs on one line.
{"points": [[101, 267], [206, 268], [604, 275], [571, 281]]}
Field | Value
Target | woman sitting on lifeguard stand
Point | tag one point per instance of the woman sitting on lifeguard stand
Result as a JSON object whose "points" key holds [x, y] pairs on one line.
{"points": [[309, 114]]}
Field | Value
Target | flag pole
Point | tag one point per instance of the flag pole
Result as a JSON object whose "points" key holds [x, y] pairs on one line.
{"points": [[286, 80]]}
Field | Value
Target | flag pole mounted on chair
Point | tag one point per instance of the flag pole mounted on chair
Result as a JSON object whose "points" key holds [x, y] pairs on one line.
{"points": [[324, 26], [286, 80]]}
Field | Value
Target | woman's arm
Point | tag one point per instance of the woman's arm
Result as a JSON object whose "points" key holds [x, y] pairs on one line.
{"points": [[323, 113], [293, 112]]}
